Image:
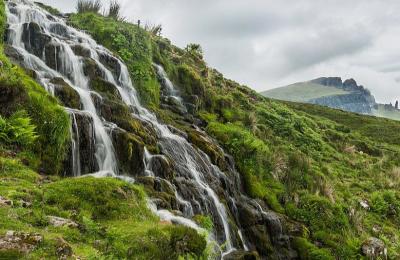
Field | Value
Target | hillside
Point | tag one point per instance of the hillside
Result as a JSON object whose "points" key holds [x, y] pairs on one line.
{"points": [[333, 92], [139, 150]]}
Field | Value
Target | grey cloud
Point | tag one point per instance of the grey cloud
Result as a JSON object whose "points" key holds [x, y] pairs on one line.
{"points": [[263, 43]]}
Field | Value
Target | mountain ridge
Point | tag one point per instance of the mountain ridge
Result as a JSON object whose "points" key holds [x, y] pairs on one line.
{"points": [[335, 93]]}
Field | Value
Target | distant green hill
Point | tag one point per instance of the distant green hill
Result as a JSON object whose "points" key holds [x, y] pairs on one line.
{"points": [[303, 92], [334, 93]]}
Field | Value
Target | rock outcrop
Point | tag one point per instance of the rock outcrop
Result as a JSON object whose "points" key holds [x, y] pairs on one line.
{"points": [[358, 100]]}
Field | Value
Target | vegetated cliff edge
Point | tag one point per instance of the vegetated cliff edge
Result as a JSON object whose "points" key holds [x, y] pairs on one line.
{"points": [[332, 171], [335, 93]]}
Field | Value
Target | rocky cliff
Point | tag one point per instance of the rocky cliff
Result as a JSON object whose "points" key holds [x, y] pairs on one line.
{"points": [[335, 93]]}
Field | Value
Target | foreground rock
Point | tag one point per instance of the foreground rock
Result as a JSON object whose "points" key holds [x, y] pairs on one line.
{"points": [[5, 202], [374, 248], [19, 242], [62, 222], [242, 255]]}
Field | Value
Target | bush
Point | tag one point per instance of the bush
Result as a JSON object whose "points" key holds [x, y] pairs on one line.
{"points": [[385, 203], [319, 214]]}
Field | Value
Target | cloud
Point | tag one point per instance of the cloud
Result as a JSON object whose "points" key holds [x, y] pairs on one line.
{"points": [[266, 43]]}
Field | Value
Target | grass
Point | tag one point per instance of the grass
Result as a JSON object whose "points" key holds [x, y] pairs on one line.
{"points": [[114, 221]]}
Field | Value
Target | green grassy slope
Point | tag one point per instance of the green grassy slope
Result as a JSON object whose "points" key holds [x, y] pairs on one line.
{"points": [[310, 163], [111, 217], [302, 92]]}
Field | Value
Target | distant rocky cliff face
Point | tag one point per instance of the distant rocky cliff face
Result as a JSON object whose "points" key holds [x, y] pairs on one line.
{"points": [[359, 99]]}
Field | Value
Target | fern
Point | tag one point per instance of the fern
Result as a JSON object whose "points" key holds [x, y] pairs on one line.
{"points": [[17, 130]]}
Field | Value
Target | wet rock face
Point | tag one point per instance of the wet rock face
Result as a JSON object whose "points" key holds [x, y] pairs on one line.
{"points": [[111, 63], [129, 152], [267, 232], [80, 50], [13, 54], [34, 38], [162, 192], [84, 136]]}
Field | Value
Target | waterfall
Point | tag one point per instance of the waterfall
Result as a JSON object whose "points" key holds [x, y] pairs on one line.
{"points": [[68, 66], [199, 186]]}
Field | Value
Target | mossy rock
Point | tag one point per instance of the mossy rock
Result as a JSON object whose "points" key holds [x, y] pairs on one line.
{"points": [[66, 94], [80, 50], [105, 88], [160, 192], [129, 151], [204, 143], [189, 81]]}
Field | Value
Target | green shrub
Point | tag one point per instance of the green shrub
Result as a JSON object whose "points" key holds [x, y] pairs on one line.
{"points": [[309, 251], [319, 214], [385, 203]]}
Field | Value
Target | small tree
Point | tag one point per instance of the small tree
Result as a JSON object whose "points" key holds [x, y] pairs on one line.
{"points": [[397, 104]]}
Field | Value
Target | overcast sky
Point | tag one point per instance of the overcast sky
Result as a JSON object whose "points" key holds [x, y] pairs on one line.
{"points": [[266, 44]]}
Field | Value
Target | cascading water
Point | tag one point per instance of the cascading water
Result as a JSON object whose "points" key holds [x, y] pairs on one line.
{"points": [[48, 45], [22, 15]]}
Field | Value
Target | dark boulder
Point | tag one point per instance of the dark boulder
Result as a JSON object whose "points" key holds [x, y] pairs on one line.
{"points": [[80, 50], [83, 134], [129, 151], [34, 38], [111, 63]]}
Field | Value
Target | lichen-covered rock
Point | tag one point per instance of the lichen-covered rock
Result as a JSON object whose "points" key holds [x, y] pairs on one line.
{"points": [[66, 94], [5, 202], [374, 248], [63, 249], [20, 242], [62, 222]]}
